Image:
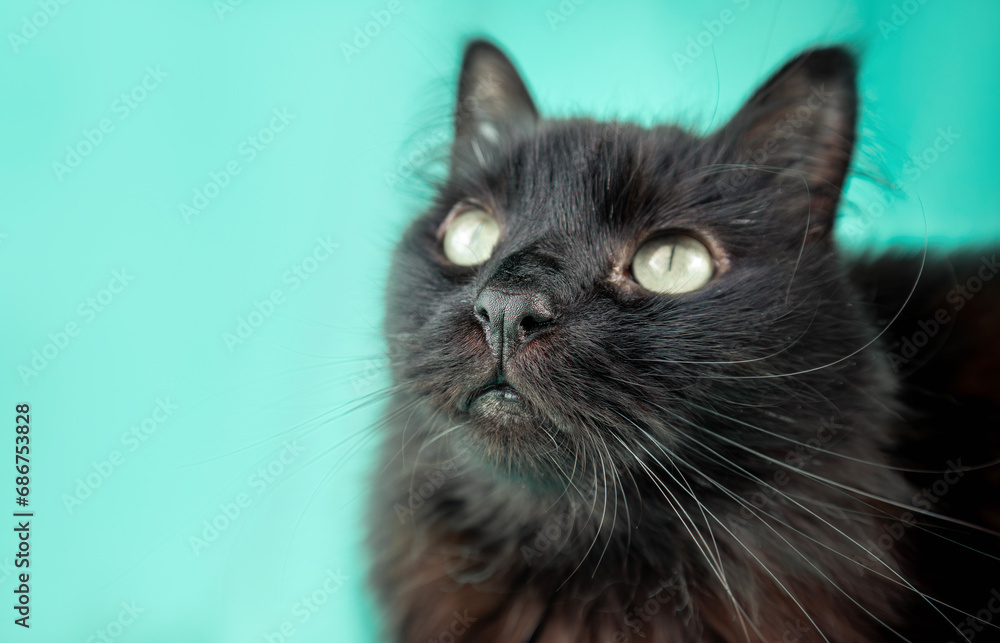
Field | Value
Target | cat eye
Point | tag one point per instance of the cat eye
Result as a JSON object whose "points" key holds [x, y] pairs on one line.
{"points": [[470, 237], [673, 264]]}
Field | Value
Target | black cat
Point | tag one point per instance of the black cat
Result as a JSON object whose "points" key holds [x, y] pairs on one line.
{"points": [[639, 395]]}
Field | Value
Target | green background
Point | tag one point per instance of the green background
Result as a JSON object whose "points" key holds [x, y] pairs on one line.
{"points": [[281, 419]]}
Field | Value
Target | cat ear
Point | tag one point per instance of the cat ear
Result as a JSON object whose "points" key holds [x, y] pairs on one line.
{"points": [[493, 102], [798, 129]]}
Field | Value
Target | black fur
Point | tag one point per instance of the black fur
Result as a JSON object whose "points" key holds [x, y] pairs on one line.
{"points": [[727, 453]]}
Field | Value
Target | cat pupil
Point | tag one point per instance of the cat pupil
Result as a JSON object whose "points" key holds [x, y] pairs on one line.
{"points": [[672, 265]]}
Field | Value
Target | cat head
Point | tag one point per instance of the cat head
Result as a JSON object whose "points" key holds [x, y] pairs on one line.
{"points": [[583, 296]]}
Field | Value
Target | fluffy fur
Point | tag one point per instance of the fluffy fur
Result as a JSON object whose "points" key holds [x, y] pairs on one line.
{"points": [[720, 465]]}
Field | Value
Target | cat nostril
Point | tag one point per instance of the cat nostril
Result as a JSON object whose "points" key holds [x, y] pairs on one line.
{"points": [[482, 313], [533, 320]]}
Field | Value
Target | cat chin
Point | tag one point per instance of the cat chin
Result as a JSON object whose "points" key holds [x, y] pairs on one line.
{"points": [[510, 435], [511, 446]]}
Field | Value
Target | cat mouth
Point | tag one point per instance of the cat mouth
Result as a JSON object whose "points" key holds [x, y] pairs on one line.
{"points": [[496, 399]]}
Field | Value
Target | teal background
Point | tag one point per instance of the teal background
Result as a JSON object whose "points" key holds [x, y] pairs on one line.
{"points": [[339, 171]]}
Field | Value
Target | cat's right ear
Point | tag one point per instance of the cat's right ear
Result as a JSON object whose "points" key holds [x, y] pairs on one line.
{"points": [[493, 102]]}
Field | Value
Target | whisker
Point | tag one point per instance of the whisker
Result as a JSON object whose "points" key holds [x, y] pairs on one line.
{"points": [[716, 563], [830, 482], [751, 508], [814, 514], [614, 518], [599, 529], [836, 454]]}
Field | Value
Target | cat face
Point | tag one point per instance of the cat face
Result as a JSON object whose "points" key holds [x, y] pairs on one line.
{"points": [[584, 294]]}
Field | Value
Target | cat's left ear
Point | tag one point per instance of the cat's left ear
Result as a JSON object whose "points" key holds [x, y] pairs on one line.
{"points": [[493, 102], [796, 134]]}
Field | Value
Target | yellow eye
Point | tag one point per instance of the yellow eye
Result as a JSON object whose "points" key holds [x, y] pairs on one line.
{"points": [[673, 264], [471, 237]]}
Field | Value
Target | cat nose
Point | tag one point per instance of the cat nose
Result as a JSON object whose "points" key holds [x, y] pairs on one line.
{"points": [[511, 318]]}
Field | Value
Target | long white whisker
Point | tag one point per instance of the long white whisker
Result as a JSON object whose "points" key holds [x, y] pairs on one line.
{"points": [[820, 518]]}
